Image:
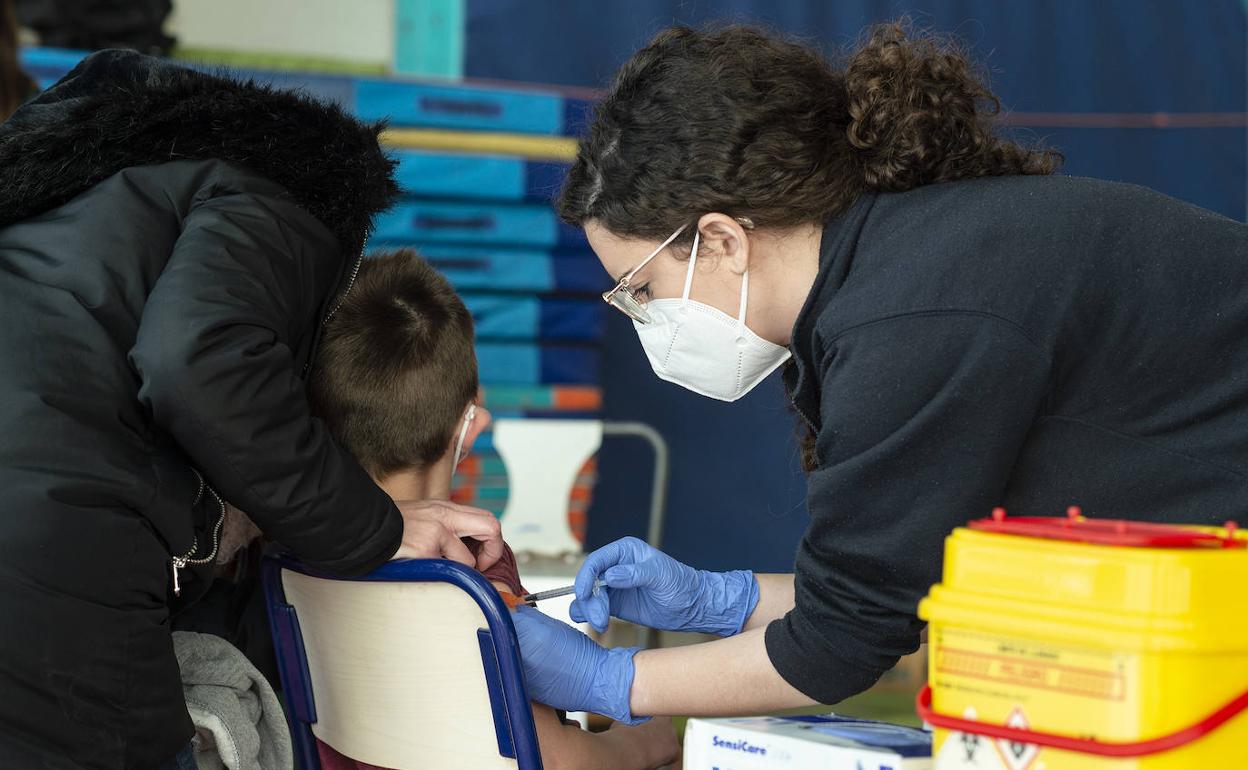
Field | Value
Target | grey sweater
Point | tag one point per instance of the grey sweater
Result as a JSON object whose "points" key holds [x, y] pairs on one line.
{"points": [[239, 722]]}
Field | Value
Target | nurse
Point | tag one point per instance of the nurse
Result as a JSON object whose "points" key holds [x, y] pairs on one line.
{"points": [[959, 329]]}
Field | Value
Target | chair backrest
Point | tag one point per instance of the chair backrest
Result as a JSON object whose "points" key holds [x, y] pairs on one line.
{"points": [[413, 666], [543, 458]]}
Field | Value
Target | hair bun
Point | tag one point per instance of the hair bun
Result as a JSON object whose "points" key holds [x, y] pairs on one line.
{"points": [[918, 114]]}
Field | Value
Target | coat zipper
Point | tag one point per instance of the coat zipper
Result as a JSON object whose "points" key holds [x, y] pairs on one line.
{"points": [[180, 562], [342, 297]]}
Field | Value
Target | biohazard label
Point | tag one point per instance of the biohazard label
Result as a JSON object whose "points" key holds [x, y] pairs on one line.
{"points": [[967, 751]]}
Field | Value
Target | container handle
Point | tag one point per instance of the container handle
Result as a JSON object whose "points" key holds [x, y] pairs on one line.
{"points": [[923, 705]]}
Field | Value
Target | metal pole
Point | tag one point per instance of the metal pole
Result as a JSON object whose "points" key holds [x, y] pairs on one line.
{"points": [[658, 491], [648, 637]]}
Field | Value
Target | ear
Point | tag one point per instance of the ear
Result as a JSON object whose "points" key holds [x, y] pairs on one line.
{"points": [[725, 238]]}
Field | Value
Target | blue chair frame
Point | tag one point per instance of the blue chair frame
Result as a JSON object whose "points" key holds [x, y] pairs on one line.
{"points": [[500, 653]]}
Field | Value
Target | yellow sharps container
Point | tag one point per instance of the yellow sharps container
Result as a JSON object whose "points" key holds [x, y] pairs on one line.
{"points": [[1073, 643]]}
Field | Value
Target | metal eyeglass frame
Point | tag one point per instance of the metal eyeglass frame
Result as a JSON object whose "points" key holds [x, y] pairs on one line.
{"points": [[621, 297]]}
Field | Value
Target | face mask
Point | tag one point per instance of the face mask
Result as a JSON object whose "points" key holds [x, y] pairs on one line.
{"points": [[704, 349], [463, 433]]}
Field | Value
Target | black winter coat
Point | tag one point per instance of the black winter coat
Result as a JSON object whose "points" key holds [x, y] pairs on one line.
{"points": [[170, 243]]}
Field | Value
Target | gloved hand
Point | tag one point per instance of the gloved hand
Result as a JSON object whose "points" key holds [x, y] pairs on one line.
{"points": [[566, 669], [646, 586]]}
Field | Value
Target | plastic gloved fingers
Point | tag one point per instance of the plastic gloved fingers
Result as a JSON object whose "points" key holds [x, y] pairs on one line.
{"points": [[525, 626], [535, 630], [577, 611], [595, 564], [535, 621], [598, 611], [627, 576], [626, 550]]}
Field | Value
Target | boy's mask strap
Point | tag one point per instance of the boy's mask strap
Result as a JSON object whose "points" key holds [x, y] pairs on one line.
{"points": [[469, 416]]}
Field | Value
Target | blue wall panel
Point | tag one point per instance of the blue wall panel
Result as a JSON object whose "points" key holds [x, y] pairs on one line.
{"points": [[423, 104], [428, 174], [500, 269], [501, 224], [435, 174]]}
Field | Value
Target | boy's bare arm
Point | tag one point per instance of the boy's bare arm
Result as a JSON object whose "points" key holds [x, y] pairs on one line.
{"points": [[647, 746]]}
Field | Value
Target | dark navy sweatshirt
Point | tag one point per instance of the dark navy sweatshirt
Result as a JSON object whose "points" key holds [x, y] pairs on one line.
{"points": [[1032, 342]]}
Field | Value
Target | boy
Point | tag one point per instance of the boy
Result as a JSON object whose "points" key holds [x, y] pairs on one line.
{"points": [[396, 383]]}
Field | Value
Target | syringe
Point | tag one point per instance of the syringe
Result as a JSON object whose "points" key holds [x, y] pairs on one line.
{"points": [[557, 592]]}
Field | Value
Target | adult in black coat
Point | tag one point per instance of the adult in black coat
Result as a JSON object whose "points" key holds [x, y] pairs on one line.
{"points": [[170, 243]]}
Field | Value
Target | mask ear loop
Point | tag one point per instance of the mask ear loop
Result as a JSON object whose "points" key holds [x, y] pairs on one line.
{"points": [[693, 259], [745, 296], [463, 433]]}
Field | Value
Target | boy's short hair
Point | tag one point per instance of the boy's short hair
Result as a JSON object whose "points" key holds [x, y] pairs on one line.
{"points": [[396, 367]]}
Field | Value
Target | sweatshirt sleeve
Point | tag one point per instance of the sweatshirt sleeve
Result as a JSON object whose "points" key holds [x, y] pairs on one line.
{"points": [[505, 570], [922, 417], [214, 356]]}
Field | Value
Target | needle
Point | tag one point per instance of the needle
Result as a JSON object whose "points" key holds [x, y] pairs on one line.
{"points": [[511, 600], [557, 592]]}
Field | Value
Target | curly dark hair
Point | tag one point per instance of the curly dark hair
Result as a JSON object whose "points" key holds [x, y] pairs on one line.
{"points": [[745, 123]]}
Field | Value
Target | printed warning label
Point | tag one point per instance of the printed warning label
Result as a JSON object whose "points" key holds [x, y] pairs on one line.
{"points": [[1014, 755], [1085, 673], [967, 751]]}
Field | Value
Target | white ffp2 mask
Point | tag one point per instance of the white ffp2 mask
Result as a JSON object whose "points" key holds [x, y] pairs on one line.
{"points": [[704, 349]]}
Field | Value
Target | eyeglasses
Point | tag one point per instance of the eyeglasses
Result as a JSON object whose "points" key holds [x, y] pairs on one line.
{"points": [[622, 298]]}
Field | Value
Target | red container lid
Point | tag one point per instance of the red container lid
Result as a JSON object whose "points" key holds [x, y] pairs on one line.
{"points": [[1120, 532]]}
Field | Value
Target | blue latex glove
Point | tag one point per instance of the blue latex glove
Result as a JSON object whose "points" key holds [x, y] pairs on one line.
{"points": [[566, 669], [646, 586]]}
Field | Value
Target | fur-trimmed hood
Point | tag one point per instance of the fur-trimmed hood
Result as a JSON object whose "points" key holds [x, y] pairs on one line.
{"points": [[118, 109]]}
